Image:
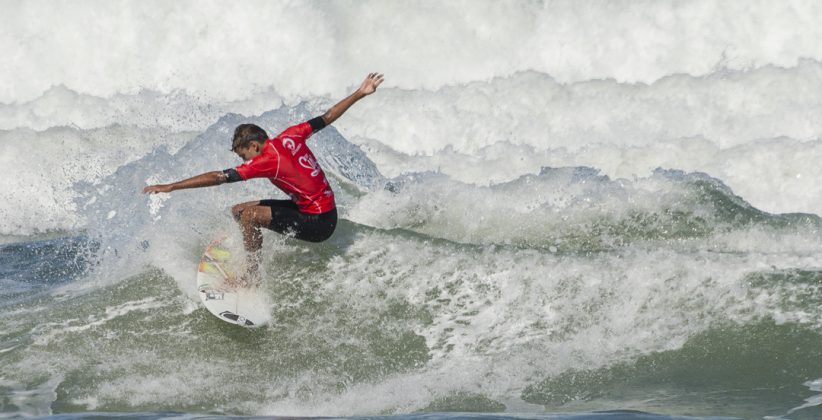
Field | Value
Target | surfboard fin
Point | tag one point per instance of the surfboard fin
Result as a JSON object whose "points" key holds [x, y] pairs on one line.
{"points": [[236, 318]]}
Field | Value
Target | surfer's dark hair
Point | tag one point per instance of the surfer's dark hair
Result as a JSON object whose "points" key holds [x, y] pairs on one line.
{"points": [[246, 133]]}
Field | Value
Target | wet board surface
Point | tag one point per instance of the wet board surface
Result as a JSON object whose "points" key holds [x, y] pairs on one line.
{"points": [[225, 296]]}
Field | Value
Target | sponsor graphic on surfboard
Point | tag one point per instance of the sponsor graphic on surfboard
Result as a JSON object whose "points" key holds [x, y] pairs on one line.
{"points": [[223, 291]]}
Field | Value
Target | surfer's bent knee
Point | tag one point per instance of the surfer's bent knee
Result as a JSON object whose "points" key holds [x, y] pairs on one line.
{"points": [[238, 209]]}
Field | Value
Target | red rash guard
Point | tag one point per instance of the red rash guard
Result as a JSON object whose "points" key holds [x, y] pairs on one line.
{"points": [[288, 163]]}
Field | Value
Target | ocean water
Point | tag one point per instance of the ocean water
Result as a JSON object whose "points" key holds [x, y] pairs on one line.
{"points": [[549, 210]]}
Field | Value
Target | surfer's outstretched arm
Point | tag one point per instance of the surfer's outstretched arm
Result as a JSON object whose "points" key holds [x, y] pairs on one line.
{"points": [[203, 180], [368, 86]]}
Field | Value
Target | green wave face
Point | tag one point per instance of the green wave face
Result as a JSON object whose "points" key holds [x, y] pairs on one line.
{"points": [[418, 323]]}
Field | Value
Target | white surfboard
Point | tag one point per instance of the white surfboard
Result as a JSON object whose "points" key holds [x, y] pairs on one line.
{"points": [[221, 292]]}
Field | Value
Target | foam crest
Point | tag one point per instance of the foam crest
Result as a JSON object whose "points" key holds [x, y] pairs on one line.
{"points": [[776, 175], [316, 47], [533, 109], [755, 130], [174, 111]]}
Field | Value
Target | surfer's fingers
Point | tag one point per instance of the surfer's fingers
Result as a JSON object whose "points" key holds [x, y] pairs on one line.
{"points": [[154, 189]]}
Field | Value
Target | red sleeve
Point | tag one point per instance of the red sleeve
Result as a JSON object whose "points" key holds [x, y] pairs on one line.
{"points": [[262, 166], [299, 132]]}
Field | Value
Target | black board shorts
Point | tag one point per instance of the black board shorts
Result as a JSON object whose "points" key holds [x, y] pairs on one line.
{"points": [[288, 220]]}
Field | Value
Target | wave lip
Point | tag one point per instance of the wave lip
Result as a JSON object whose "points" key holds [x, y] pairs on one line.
{"points": [[573, 210]]}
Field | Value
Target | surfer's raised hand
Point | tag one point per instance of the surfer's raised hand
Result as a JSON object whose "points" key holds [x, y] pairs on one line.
{"points": [[370, 84], [154, 189]]}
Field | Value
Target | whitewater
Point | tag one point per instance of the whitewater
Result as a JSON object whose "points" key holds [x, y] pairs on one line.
{"points": [[550, 209]]}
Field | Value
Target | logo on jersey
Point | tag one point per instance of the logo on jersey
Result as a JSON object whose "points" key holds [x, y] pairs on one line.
{"points": [[308, 162], [291, 145]]}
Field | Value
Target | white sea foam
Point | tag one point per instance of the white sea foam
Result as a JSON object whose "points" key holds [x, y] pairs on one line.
{"points": [[812, 401], [318, 47]]}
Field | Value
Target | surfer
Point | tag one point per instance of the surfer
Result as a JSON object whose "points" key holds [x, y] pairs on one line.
{"points": [[287, 162]]}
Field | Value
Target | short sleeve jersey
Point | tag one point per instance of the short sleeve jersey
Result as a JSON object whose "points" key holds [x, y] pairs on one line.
{"points": [[288, 163]]}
